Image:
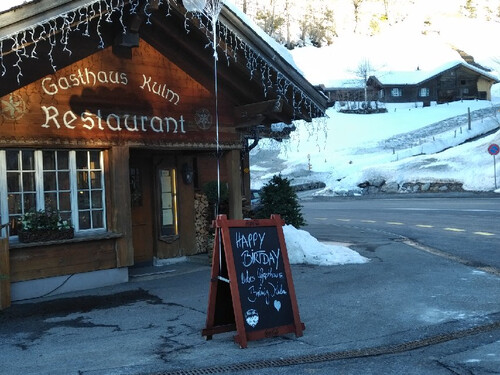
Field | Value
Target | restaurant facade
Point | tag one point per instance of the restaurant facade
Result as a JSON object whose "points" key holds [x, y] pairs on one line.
{"points": [[115, 115]]}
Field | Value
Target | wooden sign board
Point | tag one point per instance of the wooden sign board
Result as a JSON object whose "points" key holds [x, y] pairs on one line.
{"points": [[251, 288]]}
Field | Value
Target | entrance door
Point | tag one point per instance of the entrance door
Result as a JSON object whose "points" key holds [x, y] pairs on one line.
{"points": [[141, 192]]}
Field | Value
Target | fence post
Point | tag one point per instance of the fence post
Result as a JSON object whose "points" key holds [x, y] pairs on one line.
{"points": [[4, 274]]}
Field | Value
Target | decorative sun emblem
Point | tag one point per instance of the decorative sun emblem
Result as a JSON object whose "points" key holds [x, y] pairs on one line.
{"points": [[14, 108], [203, 119]]}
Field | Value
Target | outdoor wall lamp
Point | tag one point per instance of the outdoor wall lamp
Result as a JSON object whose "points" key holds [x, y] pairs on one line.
{"points": [[187, 174]]}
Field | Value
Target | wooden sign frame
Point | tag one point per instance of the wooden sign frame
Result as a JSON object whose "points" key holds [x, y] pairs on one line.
{"points": [[225, 306]]}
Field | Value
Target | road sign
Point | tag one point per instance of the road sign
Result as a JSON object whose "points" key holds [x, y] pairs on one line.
{"points": [[494, 149]]}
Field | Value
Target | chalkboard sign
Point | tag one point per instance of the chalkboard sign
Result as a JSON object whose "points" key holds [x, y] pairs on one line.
{"points": [[251, 288]]}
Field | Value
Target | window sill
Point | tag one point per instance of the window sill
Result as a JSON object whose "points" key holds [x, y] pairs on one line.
{"points": [[79, 237]]}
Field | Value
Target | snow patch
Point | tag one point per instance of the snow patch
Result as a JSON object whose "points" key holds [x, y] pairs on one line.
{"points": [[305, 249]]}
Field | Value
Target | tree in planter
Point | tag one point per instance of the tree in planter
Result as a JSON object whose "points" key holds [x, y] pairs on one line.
{"points": [[278, 197]]}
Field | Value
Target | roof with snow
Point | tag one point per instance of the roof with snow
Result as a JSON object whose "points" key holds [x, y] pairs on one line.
{"points": [[420, 76], [38, 37]]}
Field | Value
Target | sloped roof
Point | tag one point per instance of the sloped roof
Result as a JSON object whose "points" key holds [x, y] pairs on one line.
{"points": [[420, 76], [251, 65]]}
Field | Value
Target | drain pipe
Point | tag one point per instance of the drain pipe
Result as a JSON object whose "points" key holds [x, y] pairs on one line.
{"points": [[256, 138]]}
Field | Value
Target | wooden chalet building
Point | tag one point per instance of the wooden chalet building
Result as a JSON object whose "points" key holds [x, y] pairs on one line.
{"points": [[447, 83], [109, 115]]}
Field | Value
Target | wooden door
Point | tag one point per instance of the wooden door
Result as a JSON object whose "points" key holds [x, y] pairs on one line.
{"points": [[141, 192]]}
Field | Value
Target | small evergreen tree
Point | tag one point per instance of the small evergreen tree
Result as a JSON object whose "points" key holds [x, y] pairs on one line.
{"points": [[278, 197]]}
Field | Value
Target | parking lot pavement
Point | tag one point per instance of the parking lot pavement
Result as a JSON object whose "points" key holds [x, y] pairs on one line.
{"points": [[402, 298]]}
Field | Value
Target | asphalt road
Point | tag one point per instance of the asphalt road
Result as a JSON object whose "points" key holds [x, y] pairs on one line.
{"points": [[463, 227], [405, 311]]}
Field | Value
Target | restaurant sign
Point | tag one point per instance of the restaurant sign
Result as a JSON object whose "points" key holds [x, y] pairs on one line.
{"points": [[98, 119]]}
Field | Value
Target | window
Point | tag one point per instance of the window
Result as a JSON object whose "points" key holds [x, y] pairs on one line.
{"points": [[90, 189], [381, 93], [396, 91], [424, 92], [71, 182], [21, 185], [56, 182], [168, 200]]}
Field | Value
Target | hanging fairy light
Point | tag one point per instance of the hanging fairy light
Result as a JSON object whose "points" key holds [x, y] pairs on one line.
{"points": [[211, 9], [205, 11]]}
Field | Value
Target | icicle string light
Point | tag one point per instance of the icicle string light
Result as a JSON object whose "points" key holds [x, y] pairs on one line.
{"points": [[52, 42], [4, 69], [33, 54], [219, 36], [19, 59], [23, 44]]}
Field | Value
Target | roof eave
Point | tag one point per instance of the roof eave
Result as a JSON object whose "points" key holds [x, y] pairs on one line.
{"points": [[272, 57]]}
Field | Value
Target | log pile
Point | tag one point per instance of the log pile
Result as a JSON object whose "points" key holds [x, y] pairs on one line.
{"points": [[201, 222]]}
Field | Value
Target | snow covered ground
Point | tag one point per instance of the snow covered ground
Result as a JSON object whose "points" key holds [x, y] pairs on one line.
{"points": [[406, 144], [305, 249]]}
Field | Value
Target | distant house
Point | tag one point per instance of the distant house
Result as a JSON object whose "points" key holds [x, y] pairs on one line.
{"points": [[450, 82], [345, 91]]}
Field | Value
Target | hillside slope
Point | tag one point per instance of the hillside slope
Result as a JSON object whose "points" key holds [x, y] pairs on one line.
{"points": [[395, 151]]}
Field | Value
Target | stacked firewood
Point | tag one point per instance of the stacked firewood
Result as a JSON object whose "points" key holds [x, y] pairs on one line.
{"points": [[201, 224]]}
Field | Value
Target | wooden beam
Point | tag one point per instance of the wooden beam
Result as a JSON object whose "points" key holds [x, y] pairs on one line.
{"points": [[233, 165], [249, 111], [257, 120], [121, 211]]}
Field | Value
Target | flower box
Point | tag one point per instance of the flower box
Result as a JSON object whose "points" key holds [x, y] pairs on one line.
{"points": [[41, 226], [45, 235]]}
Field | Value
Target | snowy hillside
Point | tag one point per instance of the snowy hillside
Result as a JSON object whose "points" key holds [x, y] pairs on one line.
{"points": [[404, 145]]}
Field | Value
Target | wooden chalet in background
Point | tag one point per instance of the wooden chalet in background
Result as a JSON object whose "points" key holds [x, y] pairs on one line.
{"points": [[108, 115], [447, 83]]}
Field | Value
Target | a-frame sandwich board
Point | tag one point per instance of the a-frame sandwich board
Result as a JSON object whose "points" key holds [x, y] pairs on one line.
{"points": [[251, 287]]}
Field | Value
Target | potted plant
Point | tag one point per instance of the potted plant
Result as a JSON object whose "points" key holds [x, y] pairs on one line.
{"points": [[44, 225]]}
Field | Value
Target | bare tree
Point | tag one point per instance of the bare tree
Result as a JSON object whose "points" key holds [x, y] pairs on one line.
{"points": [[288, 23], [363, 72], [270, 20], [357, 5]]}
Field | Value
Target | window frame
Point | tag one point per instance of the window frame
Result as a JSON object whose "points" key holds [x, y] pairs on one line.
{"points": [[174, 205], [396, 92], [424, 92], [40, 188]]}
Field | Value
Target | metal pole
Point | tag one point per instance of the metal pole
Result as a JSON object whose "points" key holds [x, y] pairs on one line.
{"points": [[495, 168]]}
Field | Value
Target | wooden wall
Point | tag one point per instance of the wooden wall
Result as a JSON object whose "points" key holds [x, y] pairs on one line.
{"points": [[115, 104], [28, 263], [145, 99]]}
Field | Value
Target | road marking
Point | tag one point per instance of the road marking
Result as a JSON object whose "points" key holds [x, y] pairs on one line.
{"points": [[368, 221], [424, 226], [484, 233], [346, 220], [394, 223], [320, 218], [489, 269], [454, 229]]}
